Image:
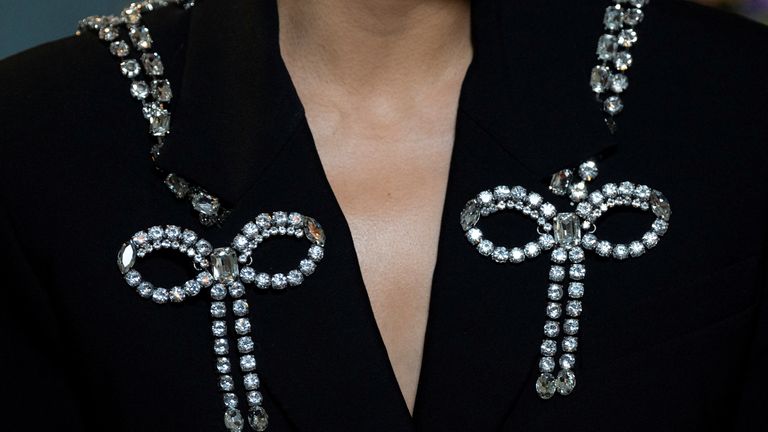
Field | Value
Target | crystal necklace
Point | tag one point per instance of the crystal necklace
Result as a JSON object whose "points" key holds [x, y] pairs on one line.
{"points": [[226, 271]]}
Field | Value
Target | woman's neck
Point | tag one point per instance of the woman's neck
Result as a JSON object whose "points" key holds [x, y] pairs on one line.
{"points": [[375, 45]]}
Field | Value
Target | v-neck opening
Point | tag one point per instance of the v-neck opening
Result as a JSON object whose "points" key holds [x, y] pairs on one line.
{"points": [[444, 218]]}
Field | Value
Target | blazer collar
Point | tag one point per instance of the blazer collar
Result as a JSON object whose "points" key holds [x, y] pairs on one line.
{"points": [[236, 106]]}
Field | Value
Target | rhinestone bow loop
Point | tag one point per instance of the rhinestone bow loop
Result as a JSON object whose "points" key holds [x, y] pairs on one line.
{"points": [[220, 273], [562, 233]]}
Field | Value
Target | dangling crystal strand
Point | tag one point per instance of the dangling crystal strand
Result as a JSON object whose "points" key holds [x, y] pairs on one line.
{"points": [[619, 21], [257, 416]]}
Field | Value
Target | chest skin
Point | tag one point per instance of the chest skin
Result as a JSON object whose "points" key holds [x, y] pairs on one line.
{"points": [[389, 171]]}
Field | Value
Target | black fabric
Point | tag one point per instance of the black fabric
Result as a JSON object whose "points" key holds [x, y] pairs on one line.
{"points": [[672, 341]]}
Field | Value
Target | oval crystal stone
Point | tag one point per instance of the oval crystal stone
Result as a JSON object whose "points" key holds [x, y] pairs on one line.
{"points": [[314, 231], [660, 205], [545, 385], [233, 420], [566, 382], [258, 419], [470, 215], [126, 257]]}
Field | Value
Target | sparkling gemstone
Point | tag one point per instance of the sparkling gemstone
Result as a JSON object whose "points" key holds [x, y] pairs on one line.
{"points": [[307, 267], [251, 381], [535, 200], [470, 215], [485, 247], [242, 326], [589, 241], [236, 289], [548, 210], [247, 274], [627, 188], [610, 190], [596, 198], [621, 251], [622, 60], [547, 364], [502, 193], [576, 289], [126, 257], [279, 281], [177, 294], [588, 170], [247, 363], [627, 38], [161, 90], [160, 295], [218, 309], [264, 280], [660, 226], [258, 419], [230, 400], [650, 240], [556, 273], [638, 3], [613, 105], [500, 254], [607, 46], [571, 326], [561, 182], [570, 343], [559, 255], [145, 289], [130, 68], [546, 241], [233, 420], [314, 231], [254, 398], [633, 17], [554, 310], [159, 120], [240, 243], [140, 38], [485, 198], [548, 347], [551, 328], [519, 193], [660, 205], [240, 307], [613, 18], [108, 33], [188, 237], [565, 382], [119, 49], [619, 82], [245, 344], [474, 235], [221, 346], [219, 328], [218, 292], [636, 249], [576, 255], [316, 253], [223, 365], [573, 308], [205, 204], [604, 248], [532, 250], [545, 385], [225, 266], [567, 361], [577, 271], [578, 191], [567, 229], [133, 278], [516, 255], [226, 383]]}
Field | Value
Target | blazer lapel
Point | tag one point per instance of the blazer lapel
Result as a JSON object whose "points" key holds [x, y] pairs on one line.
{"points": [[521, 119]]}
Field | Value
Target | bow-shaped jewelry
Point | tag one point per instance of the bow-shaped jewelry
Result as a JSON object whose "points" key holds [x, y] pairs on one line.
{"points": [[220, 272], [562, 232]]}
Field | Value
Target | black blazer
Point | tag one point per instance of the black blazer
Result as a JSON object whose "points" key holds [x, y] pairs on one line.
{"points": [[674, 340]]}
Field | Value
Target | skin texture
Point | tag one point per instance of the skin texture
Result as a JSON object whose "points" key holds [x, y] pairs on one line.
{"points": [[380, 83]]}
